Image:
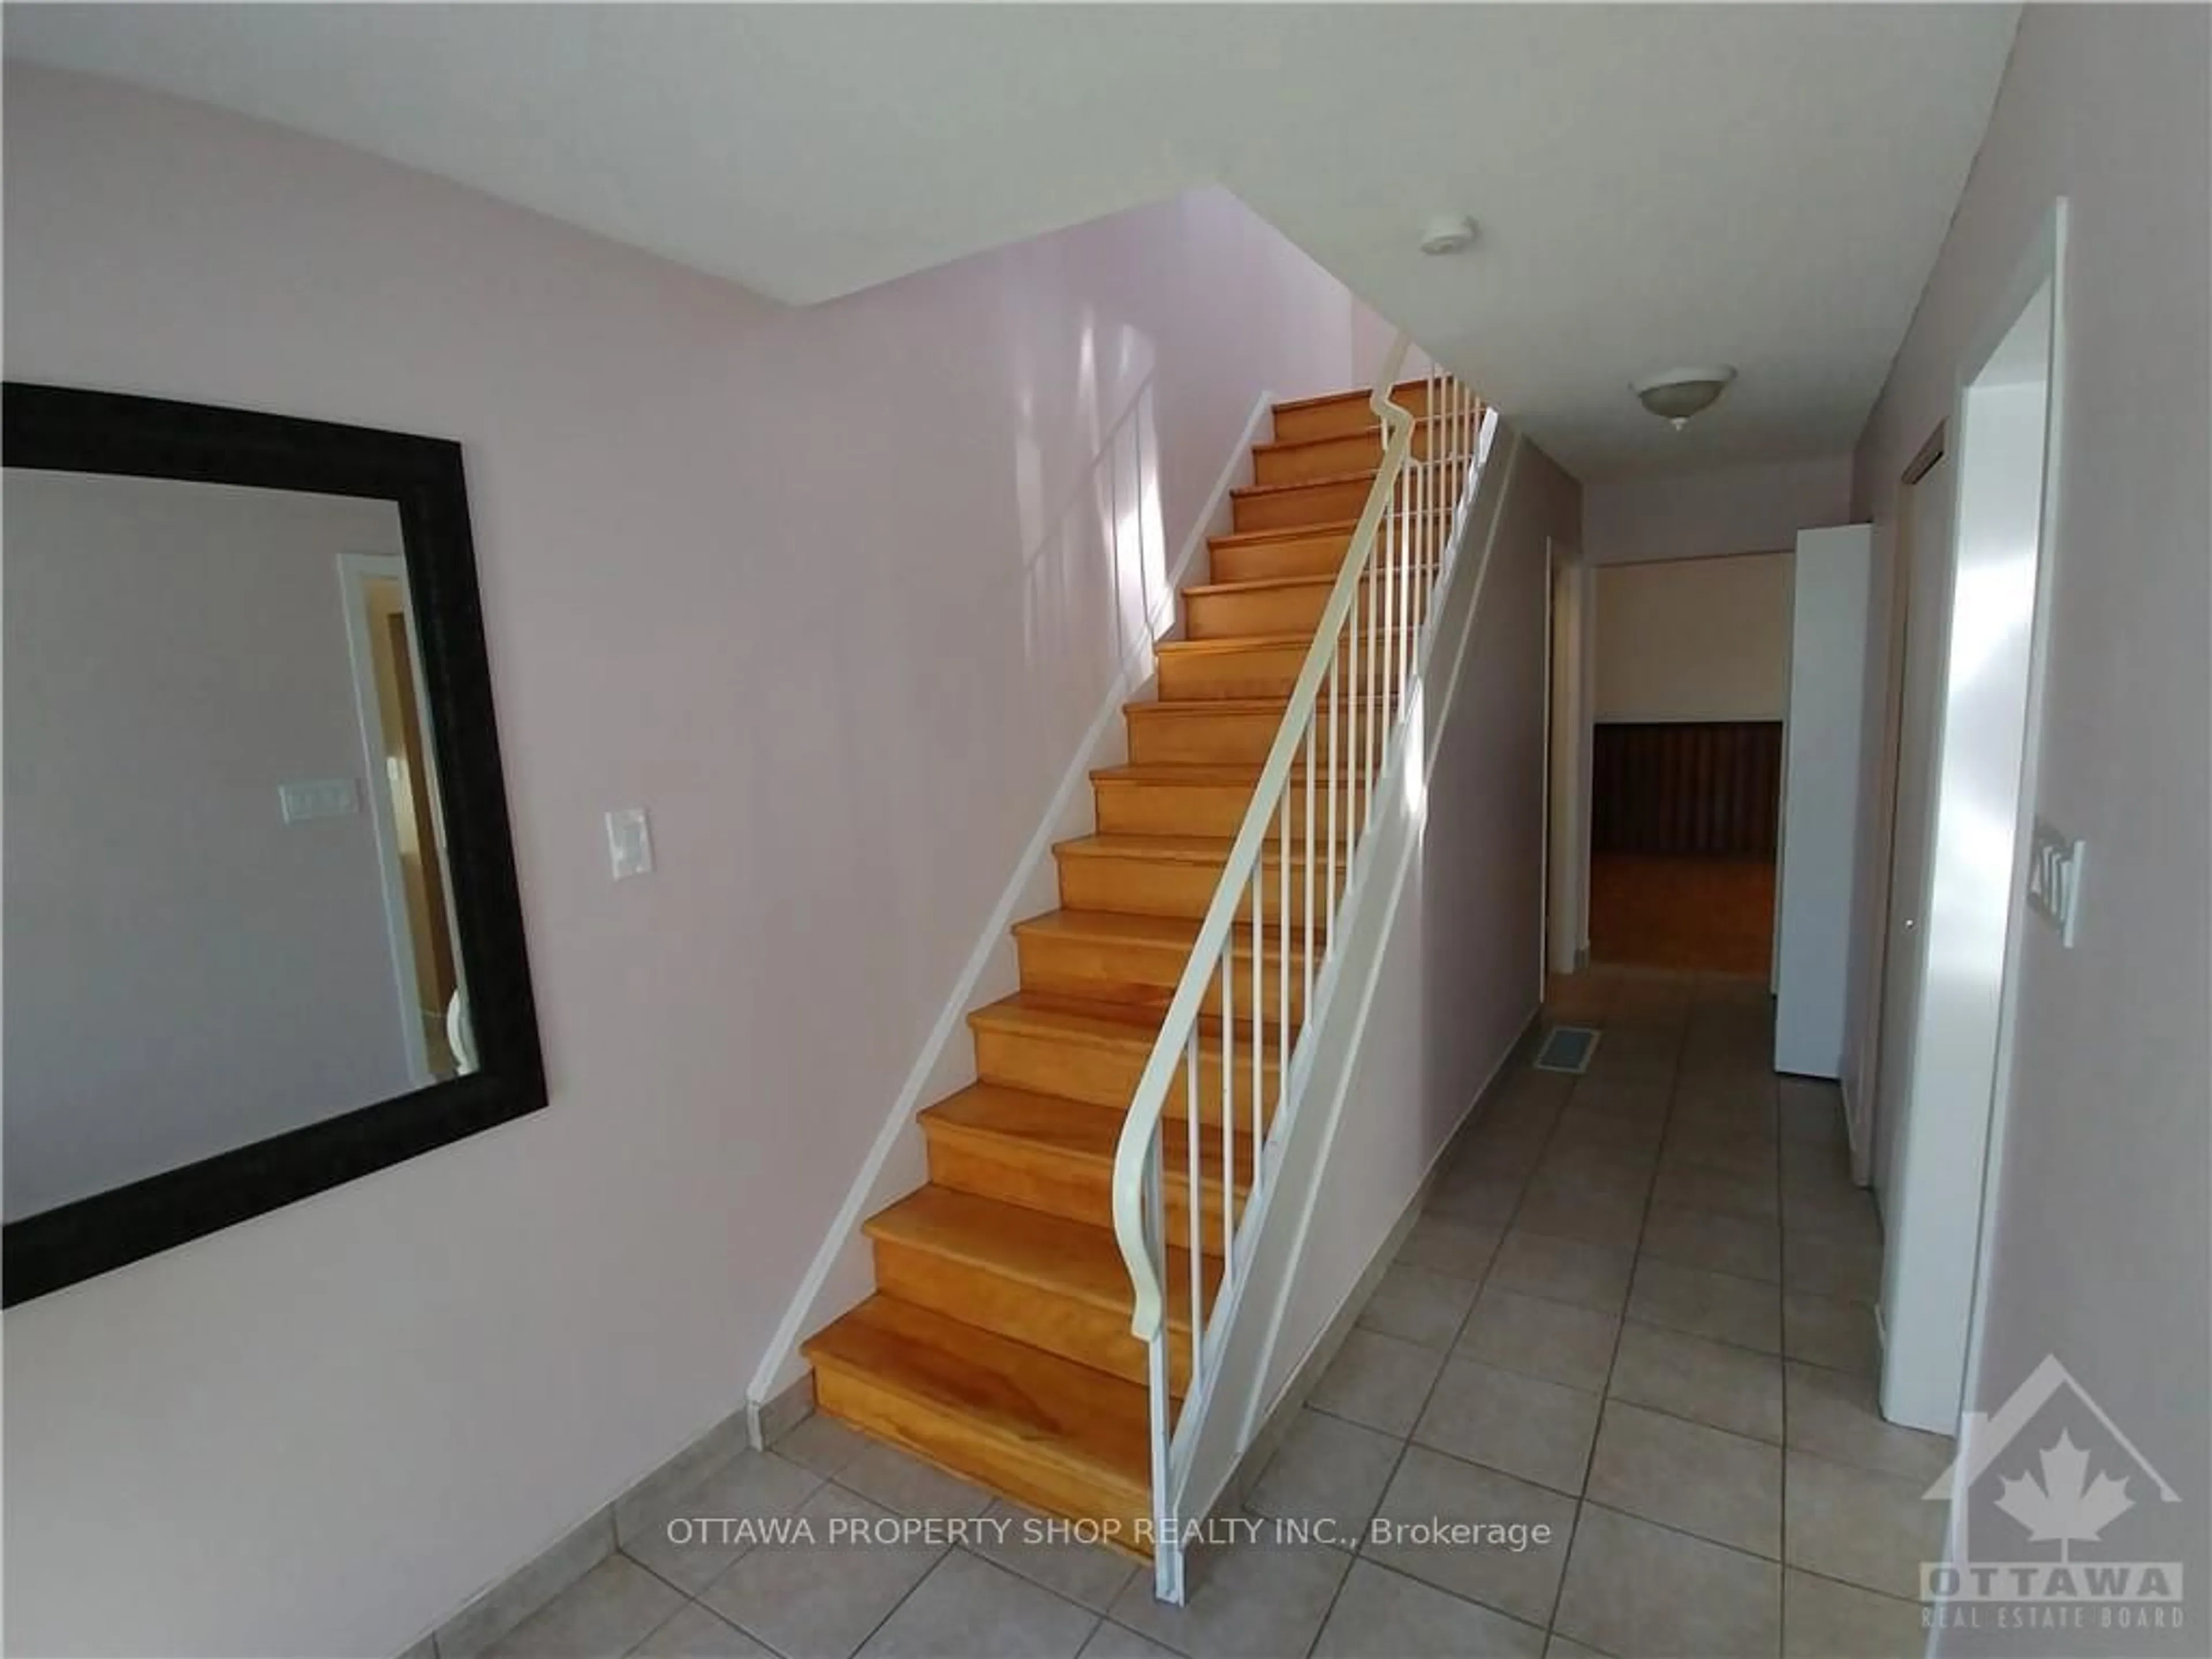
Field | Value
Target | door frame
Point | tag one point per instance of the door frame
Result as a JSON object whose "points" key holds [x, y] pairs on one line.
{"points": [[356, 572], [1568, 671], [1862, 1096], [1988, 736]]}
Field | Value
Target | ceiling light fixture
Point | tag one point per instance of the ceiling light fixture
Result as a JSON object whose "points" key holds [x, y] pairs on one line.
{"points": [[1678, 393], [1447, 233]]}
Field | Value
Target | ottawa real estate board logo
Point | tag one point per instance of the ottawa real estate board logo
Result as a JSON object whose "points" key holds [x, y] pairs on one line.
{"points": [[2058, 1522]]}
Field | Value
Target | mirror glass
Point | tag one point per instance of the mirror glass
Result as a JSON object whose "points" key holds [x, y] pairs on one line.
{"points": [[227, 887]]}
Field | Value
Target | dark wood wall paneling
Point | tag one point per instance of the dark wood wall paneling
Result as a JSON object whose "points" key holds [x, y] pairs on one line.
{"points": [[1709, 789]]}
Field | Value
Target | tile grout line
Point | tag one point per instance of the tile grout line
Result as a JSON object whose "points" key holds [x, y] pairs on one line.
{"points": [[1781, 1215], [1406, 1440], [1621, 1329]]}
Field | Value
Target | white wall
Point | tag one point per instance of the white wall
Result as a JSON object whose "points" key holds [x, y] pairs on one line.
{"points": [[2101, 1201], [1756, 507], [191, 972], [1694, 638], [832, 592]]}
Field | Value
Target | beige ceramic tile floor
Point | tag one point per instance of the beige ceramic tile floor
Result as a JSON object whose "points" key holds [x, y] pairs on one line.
{"points": [[1638, 1309]]}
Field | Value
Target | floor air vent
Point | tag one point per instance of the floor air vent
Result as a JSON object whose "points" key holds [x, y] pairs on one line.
{"points": [[1567, 1048]]}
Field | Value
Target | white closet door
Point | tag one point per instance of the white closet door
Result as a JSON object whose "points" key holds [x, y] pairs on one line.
{"points": [[1819, 800]]}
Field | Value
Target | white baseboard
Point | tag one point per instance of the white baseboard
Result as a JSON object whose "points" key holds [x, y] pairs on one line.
{"points": [[839, 1276]]}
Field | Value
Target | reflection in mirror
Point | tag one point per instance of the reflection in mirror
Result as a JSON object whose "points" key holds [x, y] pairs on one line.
{"points": [[228, 899]]}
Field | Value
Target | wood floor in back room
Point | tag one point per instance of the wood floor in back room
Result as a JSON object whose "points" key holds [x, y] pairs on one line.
{"points": [[1712, 914]]}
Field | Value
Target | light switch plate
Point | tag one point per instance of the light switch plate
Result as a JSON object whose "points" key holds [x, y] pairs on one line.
{"points": [[2054, 879], [328, 798], [629, 843]]}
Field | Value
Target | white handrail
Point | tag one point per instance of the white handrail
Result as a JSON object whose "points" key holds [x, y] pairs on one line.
{"points": [[1369, 634]]}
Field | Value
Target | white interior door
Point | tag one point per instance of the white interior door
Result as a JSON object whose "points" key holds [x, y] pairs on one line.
{"points": [[1830, 589], [1951, 1134], [1927, 608]]}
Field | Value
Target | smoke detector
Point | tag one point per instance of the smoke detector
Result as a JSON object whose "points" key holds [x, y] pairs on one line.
{"points": [[1447, 233], [1678, 393]]}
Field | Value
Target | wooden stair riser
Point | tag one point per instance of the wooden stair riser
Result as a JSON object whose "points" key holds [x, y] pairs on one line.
{"points": [[1325, 501], [1074, 1329], [1349, 411], [1314, 553], [1144, 974], [1217, 613], [1195, 734], [1080, 1190], [1023, 1468], [1161, 887], [1146, 807], [1109, 1077], [1297, 460], [1267, 554], [1236, 671]]}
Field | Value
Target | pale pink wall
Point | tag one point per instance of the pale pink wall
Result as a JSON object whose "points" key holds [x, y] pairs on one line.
{"points": [[1755, 507], [829, 591], [176, 651], [2098, 1253]]}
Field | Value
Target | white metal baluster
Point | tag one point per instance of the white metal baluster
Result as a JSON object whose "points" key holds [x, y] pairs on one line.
{"points": [[1336, 697], [1359, 714], [1468, 423], [1432, 473], [1362, 689], [1370, 728], [1228, 1120], [1259, 1004], [1412, 534], [1402, 610], [1466, 452], [1283, 945], [1394, 549], [1194, 1229], [1454, 474], [1448, 499], [1156, 1366], [1313, 725], [1448, 476]]}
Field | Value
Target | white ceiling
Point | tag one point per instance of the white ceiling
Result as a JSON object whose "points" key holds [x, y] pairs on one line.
{"points": [[1764, 186]]}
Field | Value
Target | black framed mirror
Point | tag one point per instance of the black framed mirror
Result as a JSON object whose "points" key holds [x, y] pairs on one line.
{"points": [[262, 931]]}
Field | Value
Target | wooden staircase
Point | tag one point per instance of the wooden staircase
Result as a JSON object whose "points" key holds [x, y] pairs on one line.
{"points": [[997, 1343]]}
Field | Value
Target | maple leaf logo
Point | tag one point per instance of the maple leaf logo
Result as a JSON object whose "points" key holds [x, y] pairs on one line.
{"points": [[2067, 1507]]}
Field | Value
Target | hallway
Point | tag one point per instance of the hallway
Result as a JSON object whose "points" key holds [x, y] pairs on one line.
{"points": [[1649, 1288]]}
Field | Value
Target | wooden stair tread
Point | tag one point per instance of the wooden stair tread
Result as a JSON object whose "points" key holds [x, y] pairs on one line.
{"points": [[1247, 492], [1274, 584], [1234, 642], [1068, 1128], [1322, 400], [1118, 928], [1121, 1026], [1208, 708], [1095, 1426], [1279, 445], [1300, 532], [1173, 849], [1203, 772], [1049, 1252]]}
